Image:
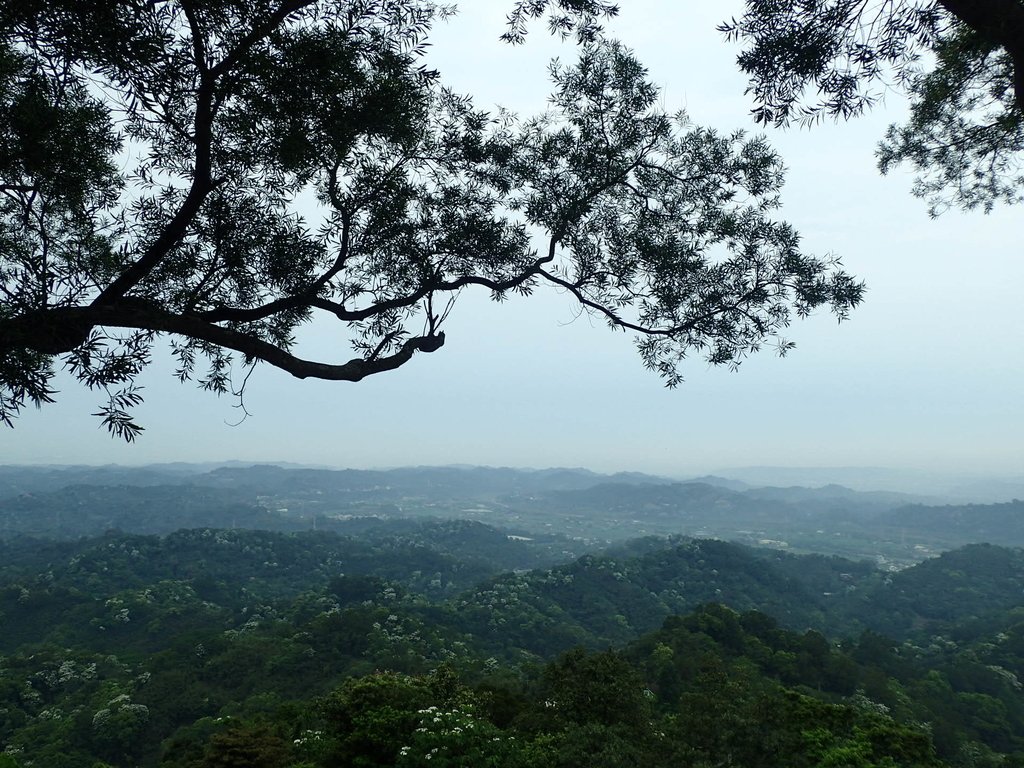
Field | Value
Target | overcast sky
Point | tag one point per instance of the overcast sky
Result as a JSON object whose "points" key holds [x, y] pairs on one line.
{"points": [[926, 374]]}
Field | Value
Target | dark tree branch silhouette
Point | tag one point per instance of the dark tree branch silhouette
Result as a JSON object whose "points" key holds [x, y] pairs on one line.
{"points": [[960, 61], [221, 173]]}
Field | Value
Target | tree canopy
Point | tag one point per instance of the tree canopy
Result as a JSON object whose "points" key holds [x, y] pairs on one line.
{"points": [[217, 174], [961, 63]]}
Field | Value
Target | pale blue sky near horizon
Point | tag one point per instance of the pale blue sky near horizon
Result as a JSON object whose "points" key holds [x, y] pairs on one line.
{"points": [[924, 375]]}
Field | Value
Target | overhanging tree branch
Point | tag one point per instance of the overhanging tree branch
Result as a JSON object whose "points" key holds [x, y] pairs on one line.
{"points": [[1002, 22], [961, 63], [237, 111], [26, 331]]}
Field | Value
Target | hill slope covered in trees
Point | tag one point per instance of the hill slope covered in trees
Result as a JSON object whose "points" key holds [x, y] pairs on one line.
{"points": [[185, 649]]}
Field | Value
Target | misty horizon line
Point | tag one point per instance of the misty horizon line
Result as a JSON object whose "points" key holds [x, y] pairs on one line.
{"points": [[930, 485], [686, 474]]}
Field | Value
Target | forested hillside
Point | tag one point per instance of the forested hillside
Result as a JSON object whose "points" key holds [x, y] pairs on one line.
{"points": [[234, 647], [196, 618]]}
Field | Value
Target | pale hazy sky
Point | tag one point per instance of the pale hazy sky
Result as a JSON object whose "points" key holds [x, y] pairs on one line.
{"points": [[925, 374]]}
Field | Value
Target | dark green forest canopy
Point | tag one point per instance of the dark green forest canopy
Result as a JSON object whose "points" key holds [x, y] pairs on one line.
{"points": [[215, 648], [209, 647], [152, 156]]}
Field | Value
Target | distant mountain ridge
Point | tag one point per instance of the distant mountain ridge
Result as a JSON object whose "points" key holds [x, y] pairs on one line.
{"points": [[947, 486], [589, 508], [266, 478]]}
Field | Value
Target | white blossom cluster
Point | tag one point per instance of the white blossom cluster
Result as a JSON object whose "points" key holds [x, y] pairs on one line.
{"points": [[453, 733], [309, 737], [121, 704], [66, 672], [392, 631]]}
